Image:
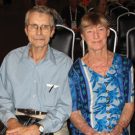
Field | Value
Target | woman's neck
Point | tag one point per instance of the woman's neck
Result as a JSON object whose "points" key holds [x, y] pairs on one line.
{"points": [[98, 54], [100, 62]]}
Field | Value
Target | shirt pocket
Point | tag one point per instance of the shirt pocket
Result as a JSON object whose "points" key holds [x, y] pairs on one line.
{"points": [[51, 94]]}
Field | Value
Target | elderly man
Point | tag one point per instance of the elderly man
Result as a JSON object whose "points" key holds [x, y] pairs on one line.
{"points": [[34, 91]]}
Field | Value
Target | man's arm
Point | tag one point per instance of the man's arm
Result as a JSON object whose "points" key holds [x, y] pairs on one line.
{"points": [[13, 123], [55, 118], [6, 103]]}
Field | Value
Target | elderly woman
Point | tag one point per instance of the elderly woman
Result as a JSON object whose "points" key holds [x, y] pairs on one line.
{"points": [[101, 84]]}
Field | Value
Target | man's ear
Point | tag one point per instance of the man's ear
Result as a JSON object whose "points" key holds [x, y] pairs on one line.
{"points": [[26, 30], [52, 32]]}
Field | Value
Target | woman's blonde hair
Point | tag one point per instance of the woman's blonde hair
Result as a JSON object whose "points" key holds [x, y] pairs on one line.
{"points": [[91, 19]]}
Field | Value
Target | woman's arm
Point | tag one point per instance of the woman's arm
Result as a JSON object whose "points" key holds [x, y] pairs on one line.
{"points": [[125, 119], [79, 122]]}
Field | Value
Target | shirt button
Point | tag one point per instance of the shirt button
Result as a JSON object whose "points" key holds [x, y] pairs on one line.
{"points": [[108, 105], [34, 96], [107, 112], [108, 98], [35, 81], [107, 91], [109, 127], [108, 119], [106, 83]]}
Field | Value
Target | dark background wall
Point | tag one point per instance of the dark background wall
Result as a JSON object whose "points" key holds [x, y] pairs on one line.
{"points": [[12, 13], [12, 23]]}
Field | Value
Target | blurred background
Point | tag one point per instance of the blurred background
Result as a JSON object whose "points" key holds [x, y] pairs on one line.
{"points": [[12, 14]]}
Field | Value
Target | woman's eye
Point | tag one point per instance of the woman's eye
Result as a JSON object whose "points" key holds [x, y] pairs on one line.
{"points": [[101, 29], [89, 31]]}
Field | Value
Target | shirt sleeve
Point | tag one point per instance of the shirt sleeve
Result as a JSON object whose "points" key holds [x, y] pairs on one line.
{"points": [[55, 119], [131, 85], [128, 74], [72, 78], [6, 102]]}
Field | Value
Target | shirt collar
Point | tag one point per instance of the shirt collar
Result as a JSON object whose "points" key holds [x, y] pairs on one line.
{"points": [[49, 55]]}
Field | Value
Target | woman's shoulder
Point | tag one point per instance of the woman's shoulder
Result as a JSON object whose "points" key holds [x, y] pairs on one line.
{"points": [[76, 64], [75, 67], [123, 59]]}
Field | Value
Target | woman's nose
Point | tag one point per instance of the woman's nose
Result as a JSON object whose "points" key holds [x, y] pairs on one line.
{"points": [[96, 34]]}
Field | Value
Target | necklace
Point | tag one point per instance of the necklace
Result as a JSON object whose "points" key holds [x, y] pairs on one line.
{"points": [[100, 66]]}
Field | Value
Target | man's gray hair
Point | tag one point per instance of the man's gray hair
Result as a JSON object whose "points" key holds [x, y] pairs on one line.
{"points": [[40, 9]]}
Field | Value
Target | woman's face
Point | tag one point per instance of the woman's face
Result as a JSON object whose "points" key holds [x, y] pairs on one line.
{"points": [[95, 36]]}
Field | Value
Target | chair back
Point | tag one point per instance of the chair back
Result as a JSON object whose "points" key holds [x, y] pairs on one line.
{"points": [[130, 36], [111, 6], [63, 40], [131, 54], [112, 40], [117, 11], [125, 22], [131, 7]]}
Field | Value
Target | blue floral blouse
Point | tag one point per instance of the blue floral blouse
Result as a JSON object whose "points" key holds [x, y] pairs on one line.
{"points": [[101, 98]]}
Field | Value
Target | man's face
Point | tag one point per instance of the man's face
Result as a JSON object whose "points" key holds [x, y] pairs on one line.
{"points": [[39, 29]]}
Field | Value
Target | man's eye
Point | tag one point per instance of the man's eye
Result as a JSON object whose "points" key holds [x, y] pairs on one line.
{"points": [[35, 26], [45, 27]]}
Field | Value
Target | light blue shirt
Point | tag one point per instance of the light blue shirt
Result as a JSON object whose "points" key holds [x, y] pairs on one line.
{"points": [[25, 84]]}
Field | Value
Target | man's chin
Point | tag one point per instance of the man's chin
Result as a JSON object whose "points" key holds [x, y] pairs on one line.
{"points": [[40, 45]]}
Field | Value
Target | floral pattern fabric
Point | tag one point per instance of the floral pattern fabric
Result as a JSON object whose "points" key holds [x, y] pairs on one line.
{"points": [[101, 98]]}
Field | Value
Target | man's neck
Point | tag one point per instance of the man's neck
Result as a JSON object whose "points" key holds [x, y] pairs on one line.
{"points": [[37, 53]]}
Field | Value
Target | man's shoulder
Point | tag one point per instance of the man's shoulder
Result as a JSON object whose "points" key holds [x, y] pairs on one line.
{"points": [[19, 49], [61, 57], [15, 53]]}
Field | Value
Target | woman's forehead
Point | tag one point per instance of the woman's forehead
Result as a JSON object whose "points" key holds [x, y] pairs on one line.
{"points": [[94, 25]]}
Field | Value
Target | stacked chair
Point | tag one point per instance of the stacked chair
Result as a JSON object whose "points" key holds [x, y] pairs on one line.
{"points": [[124, 23], [130, 42], [63, 40]]}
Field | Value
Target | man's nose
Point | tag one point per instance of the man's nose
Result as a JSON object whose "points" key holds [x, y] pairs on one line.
{"points": [[39, 30]]}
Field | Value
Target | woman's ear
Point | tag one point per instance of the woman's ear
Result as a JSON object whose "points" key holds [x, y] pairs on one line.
{"points": [[108, 32], [82, 36]]}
